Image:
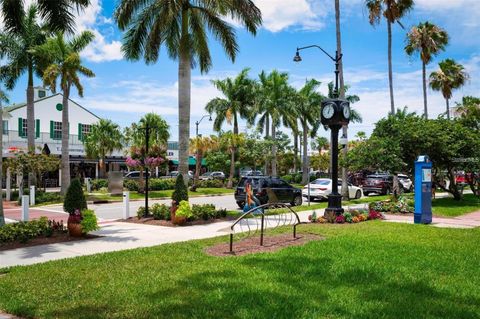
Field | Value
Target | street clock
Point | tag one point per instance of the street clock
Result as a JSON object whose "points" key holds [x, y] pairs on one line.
{"points": [[335, 112]]}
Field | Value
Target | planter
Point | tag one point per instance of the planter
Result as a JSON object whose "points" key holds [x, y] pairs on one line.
{"points": [[180, 220], [75, 230]]}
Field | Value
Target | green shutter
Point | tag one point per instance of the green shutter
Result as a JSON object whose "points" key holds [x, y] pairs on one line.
{"points": [[51, 129], [80, 135], [20, 127], [37, 128]]}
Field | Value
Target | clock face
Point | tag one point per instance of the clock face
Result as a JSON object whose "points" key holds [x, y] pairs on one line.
{"points": [[328, 111], [346, 110]]}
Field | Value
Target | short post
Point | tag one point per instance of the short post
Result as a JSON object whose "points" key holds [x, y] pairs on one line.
{"points": [[8, 195], [25, 200], [126, 205], [88, 183], [32, 195], [60, 177], [261, 230]]}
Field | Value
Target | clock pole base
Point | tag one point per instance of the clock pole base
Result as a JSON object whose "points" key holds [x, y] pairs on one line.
{"points": [[334, 206]]}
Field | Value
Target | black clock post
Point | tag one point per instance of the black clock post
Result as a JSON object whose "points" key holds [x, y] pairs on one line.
{"points": [[334, 113]]}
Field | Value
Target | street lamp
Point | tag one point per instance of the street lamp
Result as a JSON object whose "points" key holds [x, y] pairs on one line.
{"points": [[334, 113], [198, 122]]}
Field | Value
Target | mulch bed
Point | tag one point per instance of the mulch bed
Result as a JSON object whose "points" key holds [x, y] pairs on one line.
{"points": [[56, 238], [251, 245], [156, 222]]}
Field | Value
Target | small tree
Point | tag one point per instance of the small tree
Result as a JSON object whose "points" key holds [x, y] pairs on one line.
{"points": [[181, 191], [74, 199]]}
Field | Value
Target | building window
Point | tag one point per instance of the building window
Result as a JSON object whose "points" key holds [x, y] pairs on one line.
{"points": [[86, 129], [41, 94], [57, 130], [5, 127], [23, 125]]}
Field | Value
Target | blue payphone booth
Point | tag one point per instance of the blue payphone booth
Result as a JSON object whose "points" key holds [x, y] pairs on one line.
{"points": [[423, 190]]}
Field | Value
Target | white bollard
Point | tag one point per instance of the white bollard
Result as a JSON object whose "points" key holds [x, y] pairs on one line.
{"points": [[88, 183], [32, 195], [8, 195], [25, 200], [126, 205]]}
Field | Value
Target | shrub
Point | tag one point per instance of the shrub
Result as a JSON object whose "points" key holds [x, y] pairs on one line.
{"points": [[160, 211], [24, 231], [374, 215], [348, 217], [89, 221], [297, 178], [131, 185], [98, 184], [205, 211], [321, 220], [47, 197], [287, 178], [161, 184], [221, 213], [340, 219], [184, 210], [74, 199], [211, 183], [181, 192], [355, 219], [140, 212]]}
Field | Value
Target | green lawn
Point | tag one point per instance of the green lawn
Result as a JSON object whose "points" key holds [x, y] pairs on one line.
{"points": [[449, 207], [368, 270]]}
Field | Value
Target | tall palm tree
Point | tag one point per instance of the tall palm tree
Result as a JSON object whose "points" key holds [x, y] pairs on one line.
{"points": [[103, 139], [427, 40], [449, 77], [307, 109], [64, 64], [183, 27], [273, 101], [20, 44], [392, 11], [58, 14], [3, 98], [290, 120], [201, 145]]}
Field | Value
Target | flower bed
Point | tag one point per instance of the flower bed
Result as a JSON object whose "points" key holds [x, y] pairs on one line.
{"points": [[351, 216], [401, 205]]}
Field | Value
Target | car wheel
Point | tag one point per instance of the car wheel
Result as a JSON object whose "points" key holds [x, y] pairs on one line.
{"points": [[297, 201], [366, 193], [241, 204], [358, 194]]}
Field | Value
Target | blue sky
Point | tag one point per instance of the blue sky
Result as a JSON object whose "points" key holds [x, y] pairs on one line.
{"points": [[123, 91]]}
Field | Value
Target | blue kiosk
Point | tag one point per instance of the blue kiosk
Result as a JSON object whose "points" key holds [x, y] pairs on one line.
{"points": [[423, 190]]}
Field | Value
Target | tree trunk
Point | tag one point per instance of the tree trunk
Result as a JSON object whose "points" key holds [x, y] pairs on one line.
{"points": [[267, 135], [448, 109], [198, 164], [65, 136], [274, 150], [396, 185], [390, 69], [232, 169], [2, 215], [295, 151], [30, 120], [103, 168], [184, 87], [305, 172], [424, 76]]}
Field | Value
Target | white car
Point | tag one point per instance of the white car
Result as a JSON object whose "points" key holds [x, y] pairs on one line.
{"points": [[405, 182], [322, 187]]}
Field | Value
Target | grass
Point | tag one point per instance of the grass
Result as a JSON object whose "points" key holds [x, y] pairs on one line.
{"points": [[160, 194], [372, 269], [448, 207]]}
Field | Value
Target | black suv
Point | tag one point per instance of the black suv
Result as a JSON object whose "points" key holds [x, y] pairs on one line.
{"points": [[284, 192], [377, 183]]}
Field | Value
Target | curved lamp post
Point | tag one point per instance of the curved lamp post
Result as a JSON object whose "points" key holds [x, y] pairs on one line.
{"points": [[198, 122]]}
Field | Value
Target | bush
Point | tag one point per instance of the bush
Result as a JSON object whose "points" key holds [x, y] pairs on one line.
{"points": [[211, 183], [131, 185], [181, 192], [24, 231], [98, 184], [287, 178], [297, 178], [89, 221], [74, 199], [161, 184], [140, 212], [46, 197], [205, 211], [160, 211], [221, 213], [184, 210]]}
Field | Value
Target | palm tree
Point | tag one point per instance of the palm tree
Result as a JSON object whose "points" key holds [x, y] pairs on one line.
{"points": [[450, 76], [427, 40], [183, 27], [103, 139], [19, 45], [56, 14], [392, 11], [3, 98], [201, 145], [290, 120], [273, 102], [321, 143], [231, 142], [64, 64], [307, 109]]}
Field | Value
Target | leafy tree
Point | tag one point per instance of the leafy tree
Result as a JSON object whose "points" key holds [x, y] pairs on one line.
{"points": [[427, 40], [201, 145], [321, 143], [64, 64], [392, 11], [449, 77], [231, 142], [74, 198], [183, 28], [320, 161], [469, 111], [254, 152], [103, 139], [218, 160]]}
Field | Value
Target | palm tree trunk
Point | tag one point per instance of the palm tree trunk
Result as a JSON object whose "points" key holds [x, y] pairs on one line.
{"points": [[103, 168], [305, 154], [184, 88], [267, 135], [424, 75], [274, 150], [390, 69], [30, 121], [65, 137], [295, 150], [198, 161], [2, 215], [448, 109], [232, 168]]}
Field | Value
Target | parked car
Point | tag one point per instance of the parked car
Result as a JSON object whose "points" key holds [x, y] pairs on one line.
{"points": [[284, 192], [212, 175], [252, 173], [135, 175], [174, 174], [378, 184], [322, 187], [405, 182]]}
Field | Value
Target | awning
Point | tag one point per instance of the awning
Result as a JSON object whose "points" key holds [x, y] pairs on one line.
{"points": [[191, 162]]}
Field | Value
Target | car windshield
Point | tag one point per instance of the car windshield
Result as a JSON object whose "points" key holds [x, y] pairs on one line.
{"points": [[207, 174], [321, 182], [255, 182]]}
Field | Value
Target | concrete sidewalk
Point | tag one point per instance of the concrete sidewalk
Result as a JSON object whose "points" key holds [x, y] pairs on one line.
{"points": [[471, 220]]}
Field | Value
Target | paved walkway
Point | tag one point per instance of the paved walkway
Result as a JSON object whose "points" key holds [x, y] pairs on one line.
{"points": [[122, 236]]}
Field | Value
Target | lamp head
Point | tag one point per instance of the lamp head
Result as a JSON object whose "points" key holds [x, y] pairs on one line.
{"points": [[210, 118], [297, 57]]}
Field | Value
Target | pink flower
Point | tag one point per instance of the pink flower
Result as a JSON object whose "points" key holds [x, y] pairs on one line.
{"points": [[132, 162]]}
